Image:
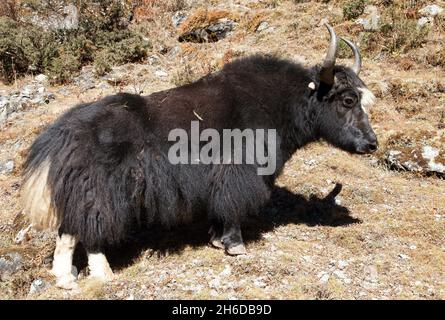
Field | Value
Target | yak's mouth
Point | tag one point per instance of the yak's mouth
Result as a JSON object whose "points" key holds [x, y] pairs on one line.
{"points": [[367, 147]]}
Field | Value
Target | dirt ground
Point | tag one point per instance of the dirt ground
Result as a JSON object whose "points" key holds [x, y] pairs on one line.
{"points": [[383, 237]]}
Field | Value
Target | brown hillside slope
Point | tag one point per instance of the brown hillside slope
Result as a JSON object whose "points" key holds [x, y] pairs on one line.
{"points": [[385, 237]]}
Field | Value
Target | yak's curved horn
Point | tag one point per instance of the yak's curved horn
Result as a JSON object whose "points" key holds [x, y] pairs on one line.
{"points": [[327, 69], [357, 57]]}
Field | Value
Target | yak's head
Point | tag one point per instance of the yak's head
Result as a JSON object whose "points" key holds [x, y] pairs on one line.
{"points": [[344, 101]]}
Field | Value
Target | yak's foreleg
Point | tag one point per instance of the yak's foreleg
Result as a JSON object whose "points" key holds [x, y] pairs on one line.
{"points": [[227, 236], [232, 239], [99, 267], [63, 261]]}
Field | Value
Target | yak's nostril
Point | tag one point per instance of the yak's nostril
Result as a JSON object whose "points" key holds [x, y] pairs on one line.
{"points": [[372, 147]]}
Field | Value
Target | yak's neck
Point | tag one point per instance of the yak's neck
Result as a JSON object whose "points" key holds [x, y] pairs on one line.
{"points": [[302, 123]]}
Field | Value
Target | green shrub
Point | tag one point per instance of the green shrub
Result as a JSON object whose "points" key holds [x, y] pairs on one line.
{"points": [[103, 34], [402, 34], [19, 50], [63, 67], [344, 52], [353, 9]]}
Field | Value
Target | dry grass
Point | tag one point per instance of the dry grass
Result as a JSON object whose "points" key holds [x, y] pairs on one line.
{"points": [[385, 238]]}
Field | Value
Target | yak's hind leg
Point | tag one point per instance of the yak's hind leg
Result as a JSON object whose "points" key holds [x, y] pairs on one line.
{"points": [[237, 191], [63, 261], [216, 232], [99, 267]]}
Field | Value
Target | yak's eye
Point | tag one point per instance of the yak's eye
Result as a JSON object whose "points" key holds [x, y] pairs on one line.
{"points": [[348, 102]]}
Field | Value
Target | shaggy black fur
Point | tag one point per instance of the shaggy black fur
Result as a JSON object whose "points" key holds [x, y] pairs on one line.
{"points": [[109, 171]]}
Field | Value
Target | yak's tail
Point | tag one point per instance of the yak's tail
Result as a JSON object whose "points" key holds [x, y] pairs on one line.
{"points": [[36, 192], [35, 195]]}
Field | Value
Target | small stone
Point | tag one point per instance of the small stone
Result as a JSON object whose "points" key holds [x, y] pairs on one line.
{"points": [[215, 283], [64, 92], [259, 282], [403, 256], [104, 86], [423, 21], [41, 78], [27, 92], [211, 33], [371, 273], [22, 235], [10, 263], [342, 264], [340, 274], [371, 20], [161, 73], [49, 96], [38, 100], [178, 18], [37, 286], [262, 26], [7, 167], [431, 10], [324, 278], [227, 271]]}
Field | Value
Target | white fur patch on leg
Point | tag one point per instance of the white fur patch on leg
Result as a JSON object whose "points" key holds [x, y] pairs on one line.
{"points": [[36, 198], [99, 267], [63, 260], [368, 99]]}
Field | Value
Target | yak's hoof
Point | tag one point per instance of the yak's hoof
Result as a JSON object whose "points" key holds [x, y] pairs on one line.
{"points": [[67, 282], [105, 276], [237, 250], [217, 243]]}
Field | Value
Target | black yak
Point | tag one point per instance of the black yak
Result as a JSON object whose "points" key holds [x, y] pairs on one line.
{"points": [[102, 169]]}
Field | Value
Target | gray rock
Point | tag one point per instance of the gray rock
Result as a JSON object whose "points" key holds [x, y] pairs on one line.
{"points": [[371, 19], [64, 91], [10, 263], [211, 33], [65, 18], [430, 154], [22, 235], [28, 91], [161, 73], [424, 21], [178, 18], [425, 159], [431, 10], [104, 86], [7, 167], [37, 286], [117, 76], [222, 27], [41, 78], [18, 100], [262, 26], [9, 106]]}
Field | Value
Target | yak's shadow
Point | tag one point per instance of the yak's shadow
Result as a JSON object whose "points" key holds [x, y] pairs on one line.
{"points": [[284, 208]]}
